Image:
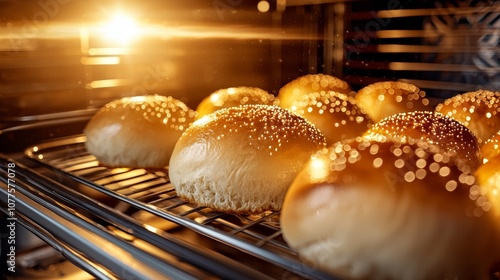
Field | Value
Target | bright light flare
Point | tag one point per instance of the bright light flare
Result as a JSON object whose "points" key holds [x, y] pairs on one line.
{"points": [[122, 29], [263, 6], [318, 169]]}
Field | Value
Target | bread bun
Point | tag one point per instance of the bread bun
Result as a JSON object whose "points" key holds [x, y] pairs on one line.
{"points": [[387, 210], [383, 99], [335, 114], [488, 177], [138, 132], [234, 96], [242, 159], [293, 90], [491, 147], [434, 128], [478, 110]]}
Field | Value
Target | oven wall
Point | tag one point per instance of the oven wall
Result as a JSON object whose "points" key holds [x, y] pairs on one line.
{"points": [[445, 47], [71, 56], [55, 49], [66, 56]]}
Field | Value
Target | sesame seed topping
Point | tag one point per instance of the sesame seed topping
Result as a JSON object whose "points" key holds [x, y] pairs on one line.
{"points": [[433, 128], [154, 108], [478, 110], [293, 90], [397, 167], [235, 96], [266, 126], [373, 97]]}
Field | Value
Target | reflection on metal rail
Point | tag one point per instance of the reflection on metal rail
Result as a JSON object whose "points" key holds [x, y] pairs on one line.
{"points": [[151, 192]]}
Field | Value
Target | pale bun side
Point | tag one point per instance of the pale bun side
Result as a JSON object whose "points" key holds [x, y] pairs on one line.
{"points": [[383, 99], [234, 96], [335, 114], [137, 132], [375, 210], [294, 90], [478, 110], [433, 128], [242, 159]]}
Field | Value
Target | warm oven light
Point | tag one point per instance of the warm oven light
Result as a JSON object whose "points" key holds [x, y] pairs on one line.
{"points": [[121, 29]]}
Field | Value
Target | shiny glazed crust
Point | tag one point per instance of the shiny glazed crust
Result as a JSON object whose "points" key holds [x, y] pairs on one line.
{"points": [[386, 210], [433, 128], [335, 114], [294, 90], [383, 99], [491, 147], [234, 96], [478, 110]]}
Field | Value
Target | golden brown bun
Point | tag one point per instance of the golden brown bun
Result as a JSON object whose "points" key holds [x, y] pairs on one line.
{"points": [[434, 128], [335, 114], [383, 99], [138, 131], [293, 91], [389, 210], [242, 159], [488, 177], [234, 96], [491, 147], [478, 110]]}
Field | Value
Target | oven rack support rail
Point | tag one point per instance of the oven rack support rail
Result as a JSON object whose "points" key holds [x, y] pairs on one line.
{"points": [[70, 152], [50, 211]]}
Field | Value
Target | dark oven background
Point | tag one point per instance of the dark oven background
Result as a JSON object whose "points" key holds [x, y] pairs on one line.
{"points": [[73, 56], [61, 60]]}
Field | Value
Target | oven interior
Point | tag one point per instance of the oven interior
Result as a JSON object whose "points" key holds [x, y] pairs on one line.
{"points": [[61, 60]]}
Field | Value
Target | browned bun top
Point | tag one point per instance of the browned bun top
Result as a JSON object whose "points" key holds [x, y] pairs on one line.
{"points": [[335, 114], [293, 90], [267, 128], [391, 210], [416, 167], [138, 131], [242, 159], [383, 99], [491, 148], [234, 96], [478, 110], [391, 168], [434, 128]]}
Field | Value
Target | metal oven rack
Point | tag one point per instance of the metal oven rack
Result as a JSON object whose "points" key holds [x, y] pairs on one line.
{"points": [[146, 207]]}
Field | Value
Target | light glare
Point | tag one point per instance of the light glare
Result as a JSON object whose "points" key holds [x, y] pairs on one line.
{"points": [[263, 6], [121, 29]]}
